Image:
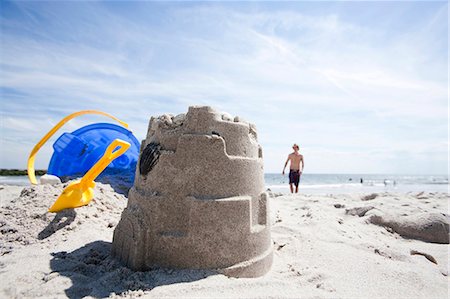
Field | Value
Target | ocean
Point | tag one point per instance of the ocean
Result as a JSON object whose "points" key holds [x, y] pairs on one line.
{"points": [[331, 183], [358, 183]]}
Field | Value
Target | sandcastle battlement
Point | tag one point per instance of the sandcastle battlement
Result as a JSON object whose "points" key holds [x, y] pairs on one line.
{"points": [[239, 135], [198, 199]]}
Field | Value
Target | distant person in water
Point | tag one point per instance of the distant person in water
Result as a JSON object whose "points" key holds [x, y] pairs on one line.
{"points": [[295, 170]]}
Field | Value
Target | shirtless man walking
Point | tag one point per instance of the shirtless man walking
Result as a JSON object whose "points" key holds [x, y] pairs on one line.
{"points": [[295, 169]]}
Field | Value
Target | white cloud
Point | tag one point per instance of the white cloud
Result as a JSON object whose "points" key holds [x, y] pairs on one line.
{"points": [[321, 81]]}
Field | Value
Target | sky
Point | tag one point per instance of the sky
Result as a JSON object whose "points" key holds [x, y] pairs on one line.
{"points": [[362, 87]]}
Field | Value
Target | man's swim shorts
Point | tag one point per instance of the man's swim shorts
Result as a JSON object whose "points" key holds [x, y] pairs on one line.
{"points": [[294, 177]]}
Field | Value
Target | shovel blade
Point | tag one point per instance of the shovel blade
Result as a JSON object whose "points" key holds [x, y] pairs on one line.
{"points": [[73, 196]]}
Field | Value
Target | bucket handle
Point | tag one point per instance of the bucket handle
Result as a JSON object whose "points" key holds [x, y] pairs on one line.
{"points": [[31, 158]]}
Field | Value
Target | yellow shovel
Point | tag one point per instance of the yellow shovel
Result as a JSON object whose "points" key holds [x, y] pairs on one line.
{"points": [[80, 193]]}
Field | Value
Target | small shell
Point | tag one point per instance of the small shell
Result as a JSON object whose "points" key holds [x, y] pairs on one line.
{"points": [[166, 119], [227, 117], [238, 119], [179, 119]]}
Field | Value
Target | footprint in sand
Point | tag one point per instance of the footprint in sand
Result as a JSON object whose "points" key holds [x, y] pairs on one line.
{"points": [[278, 217], [318, 280]]}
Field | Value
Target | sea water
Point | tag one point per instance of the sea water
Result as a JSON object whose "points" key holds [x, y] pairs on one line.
{"points": [[19, 180], [358, 183], [331, 183]]}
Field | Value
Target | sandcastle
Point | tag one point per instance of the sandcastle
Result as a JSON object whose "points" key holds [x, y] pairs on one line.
{"points": [[198, 199]]}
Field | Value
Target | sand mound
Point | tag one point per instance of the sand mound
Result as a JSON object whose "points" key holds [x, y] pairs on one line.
{"points": [[358, 211], [428, 227], [25, 220], [369, 197]]}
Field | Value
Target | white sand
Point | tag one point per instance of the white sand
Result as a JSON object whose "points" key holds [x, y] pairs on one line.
{"points": [[320, 250]]}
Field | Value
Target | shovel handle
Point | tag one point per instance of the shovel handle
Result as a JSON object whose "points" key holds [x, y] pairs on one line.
{"points": [[114, 150]]}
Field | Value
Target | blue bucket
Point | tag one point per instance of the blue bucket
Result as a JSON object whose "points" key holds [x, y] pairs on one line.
{"points": [[75, 153]]}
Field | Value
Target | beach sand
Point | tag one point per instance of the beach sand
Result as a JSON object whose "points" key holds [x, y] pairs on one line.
{"points": [[337, 246]]}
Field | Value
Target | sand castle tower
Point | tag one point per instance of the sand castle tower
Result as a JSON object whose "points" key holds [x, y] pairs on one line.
{"points": [[198, 200]]}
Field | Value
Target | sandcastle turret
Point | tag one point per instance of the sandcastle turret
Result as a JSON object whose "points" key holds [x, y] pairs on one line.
{"points": [[198, 199]]}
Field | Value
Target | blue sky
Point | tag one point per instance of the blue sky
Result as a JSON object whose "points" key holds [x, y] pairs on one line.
{"points": [[361, 86]]}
